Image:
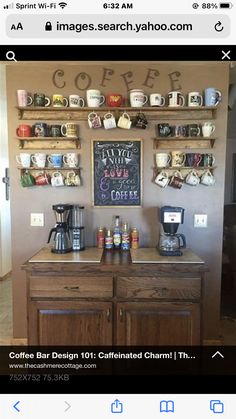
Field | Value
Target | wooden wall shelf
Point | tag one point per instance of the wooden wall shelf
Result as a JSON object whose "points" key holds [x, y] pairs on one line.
{"points": [[46, 169], [185, 143], [51, 143], [68, 114]]}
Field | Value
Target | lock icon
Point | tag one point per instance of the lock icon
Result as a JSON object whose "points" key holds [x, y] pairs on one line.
{"points": [[48, 26]]}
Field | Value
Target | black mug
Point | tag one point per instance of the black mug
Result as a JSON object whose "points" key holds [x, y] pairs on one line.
{"points": [[164, 130], [193, 130], [40, 129], [41, 100], [140, 121], [55, 131]]}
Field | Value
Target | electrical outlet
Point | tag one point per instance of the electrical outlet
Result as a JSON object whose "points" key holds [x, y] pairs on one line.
{"points": [[37, 219], [200, 220]]}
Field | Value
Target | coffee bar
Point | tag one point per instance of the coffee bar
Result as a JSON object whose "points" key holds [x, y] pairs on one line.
{"points": [[118, 159]]}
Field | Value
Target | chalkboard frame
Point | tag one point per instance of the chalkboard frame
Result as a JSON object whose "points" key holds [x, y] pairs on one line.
{"points": [[140, 169]]}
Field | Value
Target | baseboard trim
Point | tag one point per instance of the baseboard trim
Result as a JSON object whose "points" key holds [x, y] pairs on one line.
{"points": [[13, 342], [213, 342]]}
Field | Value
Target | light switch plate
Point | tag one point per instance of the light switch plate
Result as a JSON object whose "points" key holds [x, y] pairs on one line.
{"points": [[37, 219], [200, 220]]}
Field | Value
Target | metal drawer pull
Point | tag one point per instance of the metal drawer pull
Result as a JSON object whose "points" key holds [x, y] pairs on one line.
{"points": [[72, 288], [121, 312], [108, 314]]}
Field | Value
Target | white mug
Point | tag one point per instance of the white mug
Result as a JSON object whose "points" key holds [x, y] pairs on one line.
{"points": [[23, 98], [57, 179], [177, 158], [94, 98], [24, 159], [75, 101], [192, 178], [207, 129], [195, 99], [207, 178], [109, 121], [137, 98], [124, 121], [39, 159], [157, 100], [176, 99], [72, 179], [162, 179], [163, 159], [71, 159]]}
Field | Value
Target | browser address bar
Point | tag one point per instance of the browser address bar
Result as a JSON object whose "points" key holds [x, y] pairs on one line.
{"points": [[119, 26]]}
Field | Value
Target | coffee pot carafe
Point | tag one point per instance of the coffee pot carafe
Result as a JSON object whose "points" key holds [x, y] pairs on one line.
{"points": [[172, 243]]}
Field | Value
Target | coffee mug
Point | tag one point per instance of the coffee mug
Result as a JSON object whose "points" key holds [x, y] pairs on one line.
{"points": [[55, 160], [176, 99], [75, 101], [124, 121], [94, 98], [207, 178], [57, 179], [27, 180], [207, 129], [193, 130], [72, 179], [59, 101], [94, 121], [195, 99], [109, 121], [137, 98], [40, 129], [192, 178], [177, 158], [24, 159], [42, 179], [39, 159], [164, 130], [208, 160], [55, 130], [177, 180], [140, 121], [41, 100], [23, 131], [212, 96], [71, 159], [114, 99], [180, 131], [23, 98], [193, 159], [163, 159], [69, 130], [156, 99], [162, 179]]}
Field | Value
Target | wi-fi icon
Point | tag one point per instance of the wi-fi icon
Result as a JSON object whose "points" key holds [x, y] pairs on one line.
{"points": [[62, 5]]}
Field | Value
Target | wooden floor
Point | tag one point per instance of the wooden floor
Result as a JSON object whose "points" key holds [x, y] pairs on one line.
{"points": [[227, 326]]}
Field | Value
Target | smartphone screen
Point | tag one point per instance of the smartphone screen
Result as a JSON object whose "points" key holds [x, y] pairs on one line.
{"points": [[117, 208]]}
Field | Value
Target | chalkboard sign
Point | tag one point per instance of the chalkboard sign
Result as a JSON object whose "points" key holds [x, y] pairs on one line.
{"points": [[117, 172]]}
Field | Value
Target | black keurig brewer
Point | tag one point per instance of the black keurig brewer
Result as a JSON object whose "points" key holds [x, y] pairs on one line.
{"points": [[76, 227]]}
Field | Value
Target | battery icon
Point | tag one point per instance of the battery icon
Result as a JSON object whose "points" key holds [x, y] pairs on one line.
{"points": [[226, 5]]}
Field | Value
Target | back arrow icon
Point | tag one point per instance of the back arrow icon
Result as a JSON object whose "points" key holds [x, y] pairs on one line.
{"points": [[15, 406], [68, 406]]}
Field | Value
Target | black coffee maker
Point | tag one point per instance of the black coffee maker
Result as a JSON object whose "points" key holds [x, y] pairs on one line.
{"points": [[62, 243], [170, 242], [76, 227]]}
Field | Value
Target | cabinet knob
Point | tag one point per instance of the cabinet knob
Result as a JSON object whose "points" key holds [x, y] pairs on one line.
{"points": [[161, 292], [109, 315], [121, 314], [76, 289]]}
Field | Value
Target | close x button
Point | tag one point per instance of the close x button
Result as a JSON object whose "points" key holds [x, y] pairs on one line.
{"points": [[226, 55]]}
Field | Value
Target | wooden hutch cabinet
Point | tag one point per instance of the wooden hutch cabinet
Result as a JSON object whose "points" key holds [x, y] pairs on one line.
{"points": [[115, 302]]}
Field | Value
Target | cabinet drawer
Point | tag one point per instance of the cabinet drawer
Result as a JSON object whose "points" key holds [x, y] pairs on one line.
{"points": [[71, 287], [159, 288]]}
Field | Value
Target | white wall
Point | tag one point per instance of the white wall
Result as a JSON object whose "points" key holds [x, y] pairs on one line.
{"points": [[5, 221]]}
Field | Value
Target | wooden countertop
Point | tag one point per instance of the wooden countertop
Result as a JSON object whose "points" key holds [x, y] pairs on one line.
{"points": [[95, 255]]}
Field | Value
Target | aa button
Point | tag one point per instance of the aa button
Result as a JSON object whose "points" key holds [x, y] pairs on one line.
{"points": [[17, 27]]}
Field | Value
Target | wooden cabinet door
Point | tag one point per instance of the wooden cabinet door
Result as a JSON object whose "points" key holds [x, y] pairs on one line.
{"points": [[152, 323], [70, 323]]}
